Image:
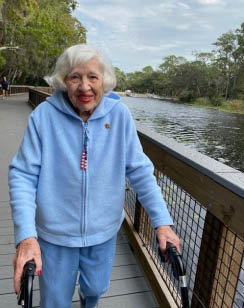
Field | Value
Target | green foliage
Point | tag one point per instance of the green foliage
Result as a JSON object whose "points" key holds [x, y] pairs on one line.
{"points": [[147, 81], [42, 30], [121, 80], [216, 101], [202, 101], [186, 96], [170, 64], [147, 70], [2, 62], [236, 106]]}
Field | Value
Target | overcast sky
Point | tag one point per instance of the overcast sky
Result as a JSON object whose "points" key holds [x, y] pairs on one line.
{"points": [[137, 33]]}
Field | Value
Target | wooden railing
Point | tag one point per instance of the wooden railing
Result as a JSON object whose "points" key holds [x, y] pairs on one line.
{"points": [[38, 95], [15, 90], [206, 201]]}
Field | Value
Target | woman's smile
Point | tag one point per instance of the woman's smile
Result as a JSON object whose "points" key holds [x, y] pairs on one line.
{"points": [[85, 98]]}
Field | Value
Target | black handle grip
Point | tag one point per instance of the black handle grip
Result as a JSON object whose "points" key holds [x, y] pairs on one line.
{"points": [[178, 270], [25, 296]]}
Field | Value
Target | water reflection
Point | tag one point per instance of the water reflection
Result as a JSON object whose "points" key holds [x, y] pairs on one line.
{"points": [[217, 134]]}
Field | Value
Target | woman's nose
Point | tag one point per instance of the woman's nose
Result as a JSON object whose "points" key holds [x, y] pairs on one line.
{"points": [[84, 84]]}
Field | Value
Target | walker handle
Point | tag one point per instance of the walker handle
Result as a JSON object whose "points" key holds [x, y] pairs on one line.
{"points": [[24, 298], [175, 259]]}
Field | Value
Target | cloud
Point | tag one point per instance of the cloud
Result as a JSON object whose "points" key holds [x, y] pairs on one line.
{"points": [[184, 5], [141, 32], [182, 27], [209, 1], [146, 48]]}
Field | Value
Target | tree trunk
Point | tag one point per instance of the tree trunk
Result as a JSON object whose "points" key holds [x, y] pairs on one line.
{"points": [[227, 87]]}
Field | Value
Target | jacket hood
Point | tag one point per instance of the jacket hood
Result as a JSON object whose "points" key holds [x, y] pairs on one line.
{"points": [[60, 101]]}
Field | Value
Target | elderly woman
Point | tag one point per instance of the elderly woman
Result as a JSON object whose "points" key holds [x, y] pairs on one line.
{"points": [[67, 182]]}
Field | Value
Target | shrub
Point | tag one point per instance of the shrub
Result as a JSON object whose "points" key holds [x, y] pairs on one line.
{"points": [[216, 101], [202, 101], [186, 96]]}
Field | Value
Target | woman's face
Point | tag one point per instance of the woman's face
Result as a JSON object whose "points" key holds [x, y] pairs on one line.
{"points": [[85, 87]]}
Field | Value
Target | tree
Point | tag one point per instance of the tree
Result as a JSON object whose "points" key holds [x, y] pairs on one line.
{"points": [[226, 58], [169, 68], [206, 58], [121, 80], [42, 29], [238, 86], [170, 64], [147, 69]]}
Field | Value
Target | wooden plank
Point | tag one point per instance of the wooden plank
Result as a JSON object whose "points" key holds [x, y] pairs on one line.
{"points": [[138, 300], [126, 271], [7, 222], [6, 260], [121, 238], [6, 272], [123, 248], [7, 239], [5, 212], [127, 286], [6, 231], [125, 259], [6, 285], [6, 249], [8, 301]]}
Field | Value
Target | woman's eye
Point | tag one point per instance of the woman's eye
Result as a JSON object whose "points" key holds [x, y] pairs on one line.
{"points": [[74, 77], [93, 77]]}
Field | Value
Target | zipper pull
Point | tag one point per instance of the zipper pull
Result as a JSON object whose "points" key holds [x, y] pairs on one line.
{"points": [[83, 163]]}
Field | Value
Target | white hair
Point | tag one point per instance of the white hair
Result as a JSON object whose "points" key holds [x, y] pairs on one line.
{"points": [[76, 55]]}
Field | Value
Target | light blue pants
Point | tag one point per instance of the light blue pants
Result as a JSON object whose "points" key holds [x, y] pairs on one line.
{"points": [[60, 268]]}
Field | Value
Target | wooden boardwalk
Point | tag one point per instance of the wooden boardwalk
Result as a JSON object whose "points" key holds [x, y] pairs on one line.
{"points": [[129, 288]]}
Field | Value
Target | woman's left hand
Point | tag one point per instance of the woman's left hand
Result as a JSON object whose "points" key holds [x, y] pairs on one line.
{"points": [[166, 234]]}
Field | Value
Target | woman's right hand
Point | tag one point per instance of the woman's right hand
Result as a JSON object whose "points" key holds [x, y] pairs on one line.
{"points": [[27, 250]]}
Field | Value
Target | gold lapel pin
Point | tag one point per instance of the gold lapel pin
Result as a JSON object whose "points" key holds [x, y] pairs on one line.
{"points": [[107, 125]]}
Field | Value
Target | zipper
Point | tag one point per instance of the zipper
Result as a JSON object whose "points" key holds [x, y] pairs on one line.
{"points": [[83, 167], [83, 163]]}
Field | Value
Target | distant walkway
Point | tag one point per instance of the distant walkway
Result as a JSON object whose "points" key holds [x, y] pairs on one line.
{"points": [[129, 288]]}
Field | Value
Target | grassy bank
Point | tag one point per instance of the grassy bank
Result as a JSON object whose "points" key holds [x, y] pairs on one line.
{"points": [[233, 105]]}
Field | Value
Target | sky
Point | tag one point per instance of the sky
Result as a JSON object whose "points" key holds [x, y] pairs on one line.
{"points": [[137, 33]]}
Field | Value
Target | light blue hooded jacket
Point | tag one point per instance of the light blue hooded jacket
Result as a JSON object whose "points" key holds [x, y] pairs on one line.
{"points": [[53, 198]]}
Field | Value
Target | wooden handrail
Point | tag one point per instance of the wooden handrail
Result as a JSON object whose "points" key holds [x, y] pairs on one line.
{"points": [[216, 186]]}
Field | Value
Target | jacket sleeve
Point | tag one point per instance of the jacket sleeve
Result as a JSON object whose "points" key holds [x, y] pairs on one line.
{"points": [[23, 180], [139, 171]]}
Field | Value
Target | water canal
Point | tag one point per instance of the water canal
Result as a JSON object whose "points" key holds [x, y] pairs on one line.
{"points": [[218, 134]]}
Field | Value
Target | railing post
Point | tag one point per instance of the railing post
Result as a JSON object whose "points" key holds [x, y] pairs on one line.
{"points": [[207, 262], [138, 216]]}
